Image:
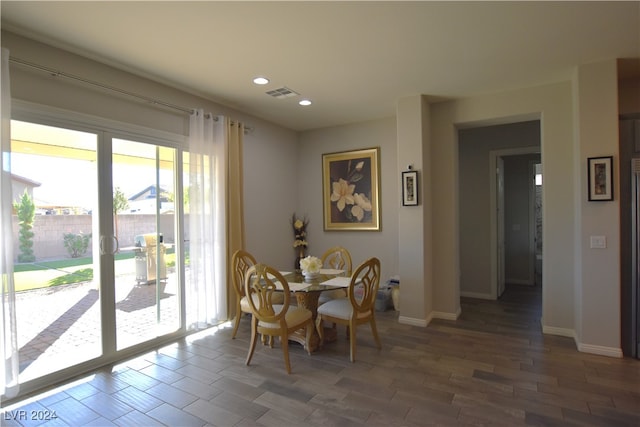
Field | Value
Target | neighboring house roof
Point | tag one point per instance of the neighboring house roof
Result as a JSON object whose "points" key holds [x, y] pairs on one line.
{"points": [[25, 181], [149, 193]]}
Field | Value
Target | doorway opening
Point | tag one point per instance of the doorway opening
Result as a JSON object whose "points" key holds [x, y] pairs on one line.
{"points": [[517, 227], [496, 163]]}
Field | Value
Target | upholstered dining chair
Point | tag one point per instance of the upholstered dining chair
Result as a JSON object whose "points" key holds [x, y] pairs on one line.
{"points": [[337, 258], [270, 318], [241, 261], [358, 308]]}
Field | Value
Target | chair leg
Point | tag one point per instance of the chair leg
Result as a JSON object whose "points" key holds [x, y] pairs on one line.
{"points": [[374, 330], [237, 323], [285, 352], [320, 328], [307, 341], [352, 343], [254, 338]]}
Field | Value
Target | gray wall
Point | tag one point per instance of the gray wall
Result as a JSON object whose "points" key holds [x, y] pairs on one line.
{"points": [[475, 210], [519, 229], [361, 244]]}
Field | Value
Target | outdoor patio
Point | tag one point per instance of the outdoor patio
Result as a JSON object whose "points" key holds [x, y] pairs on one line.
{"points": [[60, 326]]}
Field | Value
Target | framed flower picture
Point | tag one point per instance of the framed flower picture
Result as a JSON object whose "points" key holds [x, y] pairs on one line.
{"points": [[351, 190]]}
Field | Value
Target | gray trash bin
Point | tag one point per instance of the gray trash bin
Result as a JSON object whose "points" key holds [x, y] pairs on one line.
{"points": [[146, 268]]}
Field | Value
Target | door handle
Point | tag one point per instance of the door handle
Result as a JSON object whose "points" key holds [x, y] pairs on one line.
{"points": [[116, 245], [103, 244], [103, 250]]}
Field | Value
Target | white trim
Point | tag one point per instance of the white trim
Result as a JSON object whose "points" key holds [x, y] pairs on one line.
{"points": [[413, 321], [583, 348], [478, 295], [600, 350], [561, 332], [65, 118], [446, 316]]}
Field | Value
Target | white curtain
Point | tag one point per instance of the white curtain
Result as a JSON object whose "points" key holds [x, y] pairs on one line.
{"points": [[8, 333], [206, 301]]}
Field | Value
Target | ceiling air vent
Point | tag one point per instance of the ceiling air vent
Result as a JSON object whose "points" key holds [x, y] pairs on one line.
{"points": [[282, 92]]}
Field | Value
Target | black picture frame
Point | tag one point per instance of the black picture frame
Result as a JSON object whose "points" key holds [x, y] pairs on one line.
{"points": [[600, 178], [410, 188]]}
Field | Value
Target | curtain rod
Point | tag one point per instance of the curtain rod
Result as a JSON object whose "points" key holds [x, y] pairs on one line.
{"points": [[56, 73]]}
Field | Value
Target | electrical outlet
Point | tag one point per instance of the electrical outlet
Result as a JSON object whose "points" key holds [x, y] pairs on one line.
{"points": [[598, 242]]}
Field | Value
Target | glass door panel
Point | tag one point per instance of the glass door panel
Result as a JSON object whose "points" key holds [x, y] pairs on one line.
{"points": [[54, 184], [146, 283]]}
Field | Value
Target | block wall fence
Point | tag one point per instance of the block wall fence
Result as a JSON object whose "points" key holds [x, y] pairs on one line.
{"points": [[49, 231]]}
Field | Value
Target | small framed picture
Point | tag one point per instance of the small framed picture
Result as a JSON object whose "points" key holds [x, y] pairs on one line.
{"points": [[410, 188], [600, 178]]}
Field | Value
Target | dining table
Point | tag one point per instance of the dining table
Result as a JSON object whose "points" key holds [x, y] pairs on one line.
{"points": [[307, 293]]}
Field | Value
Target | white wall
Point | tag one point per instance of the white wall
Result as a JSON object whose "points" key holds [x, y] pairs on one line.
{"points": [[599, 276]]}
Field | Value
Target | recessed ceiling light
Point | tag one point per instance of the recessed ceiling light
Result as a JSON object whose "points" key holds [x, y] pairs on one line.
{"points": [[305, 102], [261, 80]]}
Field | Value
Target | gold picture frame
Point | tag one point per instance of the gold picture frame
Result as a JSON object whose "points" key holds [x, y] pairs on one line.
{"points": [[351, 190]]}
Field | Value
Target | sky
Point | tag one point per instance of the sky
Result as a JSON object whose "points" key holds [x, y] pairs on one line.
{"points": [[69, 182]]}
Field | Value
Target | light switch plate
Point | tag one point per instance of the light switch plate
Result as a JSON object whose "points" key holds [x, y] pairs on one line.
{"points": [[598, 242]]}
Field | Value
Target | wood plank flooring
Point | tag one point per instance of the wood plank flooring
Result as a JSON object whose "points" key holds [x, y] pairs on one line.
{"points": [[491, 367]]}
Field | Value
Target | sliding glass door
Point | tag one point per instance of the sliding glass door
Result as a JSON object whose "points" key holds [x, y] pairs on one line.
{"points": [[54, 185], [146, 285], [95, 229]]}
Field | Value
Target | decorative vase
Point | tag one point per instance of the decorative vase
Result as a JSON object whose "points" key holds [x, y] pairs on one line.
{"points": [[395, 297], [298, 258], [309, 275]]}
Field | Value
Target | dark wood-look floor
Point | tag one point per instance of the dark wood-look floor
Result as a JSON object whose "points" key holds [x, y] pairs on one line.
{"points": [[492, 367]]}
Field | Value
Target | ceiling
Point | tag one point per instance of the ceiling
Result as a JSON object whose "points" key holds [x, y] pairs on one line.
{"points": [[354, 60]]}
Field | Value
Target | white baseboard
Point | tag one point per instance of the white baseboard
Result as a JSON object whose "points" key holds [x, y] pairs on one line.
{"points": [[583, 348], [413, 321], [446, 316], [600, 350], [476, 295], [562, 332]]}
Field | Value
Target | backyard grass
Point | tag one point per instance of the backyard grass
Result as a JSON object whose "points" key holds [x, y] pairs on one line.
{"points": [[37, 275]]}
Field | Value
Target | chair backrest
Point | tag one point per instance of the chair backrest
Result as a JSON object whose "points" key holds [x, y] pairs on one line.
{"points": [[241, 261], [260, 289], [364, 284], [338, 258]]}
